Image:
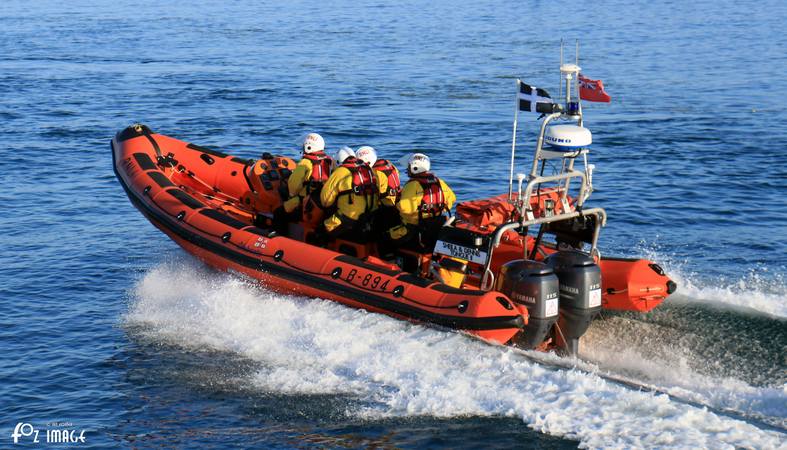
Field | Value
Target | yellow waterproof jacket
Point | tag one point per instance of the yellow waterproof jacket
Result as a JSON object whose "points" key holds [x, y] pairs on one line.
{"points": [[348, 205], [300, 175], [411, 198], [298, 183]]}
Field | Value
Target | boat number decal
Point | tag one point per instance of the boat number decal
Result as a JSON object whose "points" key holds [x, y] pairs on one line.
{"points": [[460, 251], [369, 280]]}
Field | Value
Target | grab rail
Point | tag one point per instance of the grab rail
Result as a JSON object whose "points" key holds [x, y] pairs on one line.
{"points": [[534, 181], [601, 220]]}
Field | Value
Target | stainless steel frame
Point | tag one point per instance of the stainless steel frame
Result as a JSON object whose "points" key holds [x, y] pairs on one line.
{"points": [[563, 179], [488, 279]]}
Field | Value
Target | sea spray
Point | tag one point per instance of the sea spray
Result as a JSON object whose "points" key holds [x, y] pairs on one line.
{"points": [[396, 368], [758, 289]]}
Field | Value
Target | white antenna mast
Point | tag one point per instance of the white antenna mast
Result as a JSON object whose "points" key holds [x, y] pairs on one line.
{"points": [[560, 77], [576, 86]]}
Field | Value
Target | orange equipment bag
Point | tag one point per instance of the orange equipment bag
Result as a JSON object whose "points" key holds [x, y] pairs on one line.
{"points": [[488, 213]]}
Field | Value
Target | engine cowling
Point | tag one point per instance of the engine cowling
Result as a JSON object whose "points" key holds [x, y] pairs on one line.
{"points": [[534, 285], [580, 296]]}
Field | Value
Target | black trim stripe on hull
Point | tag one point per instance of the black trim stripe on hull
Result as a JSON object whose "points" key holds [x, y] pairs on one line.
{"points": [[297, 276], [144, 161]]}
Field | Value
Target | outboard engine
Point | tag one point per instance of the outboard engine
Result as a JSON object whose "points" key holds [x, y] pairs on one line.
{"points": [[580, 296], [534, 285]]}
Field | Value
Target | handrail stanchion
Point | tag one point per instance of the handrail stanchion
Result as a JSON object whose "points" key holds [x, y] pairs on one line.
{"points": [[601, 220], [540, 142]]}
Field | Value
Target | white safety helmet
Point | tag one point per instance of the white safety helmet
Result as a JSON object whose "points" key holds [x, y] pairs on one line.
{"points": [[418, 163], [342, 154], [367, 154], [313, 143]]}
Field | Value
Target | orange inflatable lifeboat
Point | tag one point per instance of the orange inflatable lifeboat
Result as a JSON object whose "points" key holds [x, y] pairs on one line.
{"points": [[485, 276], [205, 201]]}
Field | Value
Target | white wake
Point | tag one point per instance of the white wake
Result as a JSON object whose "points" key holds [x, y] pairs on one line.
{"points": [[759, 290], [308, 346]]}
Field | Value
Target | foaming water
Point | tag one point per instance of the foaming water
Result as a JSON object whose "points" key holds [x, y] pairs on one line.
{"points": [[393, 369], [759, 289], [670, 358], [718, 342], [754, 292]]}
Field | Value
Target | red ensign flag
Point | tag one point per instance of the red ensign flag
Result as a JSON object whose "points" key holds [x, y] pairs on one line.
{"points": [[592, 90]]}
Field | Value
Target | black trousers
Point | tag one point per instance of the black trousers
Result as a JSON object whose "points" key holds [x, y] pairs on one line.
{"points": [[421, 237]]}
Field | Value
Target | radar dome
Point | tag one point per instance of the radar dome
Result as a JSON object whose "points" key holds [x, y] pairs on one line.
{"points": [[567, 137]]}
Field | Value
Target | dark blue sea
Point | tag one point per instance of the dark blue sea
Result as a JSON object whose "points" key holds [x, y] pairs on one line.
{"points": [[108, 327]]}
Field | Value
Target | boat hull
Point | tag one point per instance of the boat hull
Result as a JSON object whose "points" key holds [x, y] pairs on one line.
{"points": [[167, 197]]}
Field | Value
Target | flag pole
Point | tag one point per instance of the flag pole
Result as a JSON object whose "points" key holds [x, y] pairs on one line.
{"points": [[513, 140]]}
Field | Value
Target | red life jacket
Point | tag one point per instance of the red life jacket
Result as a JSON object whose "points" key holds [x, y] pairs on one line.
{"points": [[321, 170], [364, 182], [433, 200], [394, 184]]}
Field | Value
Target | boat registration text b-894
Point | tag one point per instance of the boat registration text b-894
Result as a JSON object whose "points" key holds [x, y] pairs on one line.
{"points": [[367, 280]]}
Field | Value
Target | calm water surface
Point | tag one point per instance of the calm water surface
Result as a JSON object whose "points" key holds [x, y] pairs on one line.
{"points": [[108, 325]]}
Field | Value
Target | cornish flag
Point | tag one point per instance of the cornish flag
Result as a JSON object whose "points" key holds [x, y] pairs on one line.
{"points": [[535, 99]]}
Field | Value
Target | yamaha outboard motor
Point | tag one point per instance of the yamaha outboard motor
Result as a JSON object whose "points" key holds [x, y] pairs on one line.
{"points": [[534, 285], [580, 296]]}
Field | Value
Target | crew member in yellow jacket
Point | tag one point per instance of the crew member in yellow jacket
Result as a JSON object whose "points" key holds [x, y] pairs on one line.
{"points": [[304, 186], [352, 189], [387, 175], [422, 204]]}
